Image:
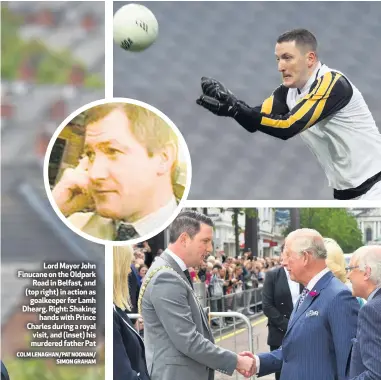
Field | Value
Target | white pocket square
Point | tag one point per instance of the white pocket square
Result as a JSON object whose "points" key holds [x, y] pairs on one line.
{"points": [[312, 313]]}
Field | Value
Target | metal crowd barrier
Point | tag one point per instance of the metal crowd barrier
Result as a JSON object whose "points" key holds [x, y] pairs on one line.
{"points": [[233, 337], [240, 302]]}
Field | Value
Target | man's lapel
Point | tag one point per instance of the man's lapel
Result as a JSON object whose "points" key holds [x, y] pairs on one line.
{"points": [[378, 293], [283, 284], [168, 258], [94, 225], [296, 314]]}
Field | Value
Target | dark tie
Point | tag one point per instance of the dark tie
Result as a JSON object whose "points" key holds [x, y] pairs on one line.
{"points": [[186, 272], [126, 232], [302, 297]]}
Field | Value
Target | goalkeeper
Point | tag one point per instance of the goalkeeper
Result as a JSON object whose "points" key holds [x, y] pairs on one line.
{"points": [[321, 105]]}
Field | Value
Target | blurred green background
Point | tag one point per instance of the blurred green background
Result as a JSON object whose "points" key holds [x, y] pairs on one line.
{"points": [[53, 66]]}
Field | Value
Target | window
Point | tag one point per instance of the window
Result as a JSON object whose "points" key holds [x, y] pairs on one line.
{"points": [[368, 234]]}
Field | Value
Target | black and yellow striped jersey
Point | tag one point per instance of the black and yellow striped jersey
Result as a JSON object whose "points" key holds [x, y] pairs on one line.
{"points": [[327, 95], [333, 120]]}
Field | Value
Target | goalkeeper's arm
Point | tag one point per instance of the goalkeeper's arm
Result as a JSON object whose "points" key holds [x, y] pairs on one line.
{"points": [[328, 94]]}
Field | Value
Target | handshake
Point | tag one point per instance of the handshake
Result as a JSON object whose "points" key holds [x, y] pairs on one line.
{"points": [[246, 364]]}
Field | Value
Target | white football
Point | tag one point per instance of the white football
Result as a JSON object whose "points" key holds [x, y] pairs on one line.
{"points": [[135, 27]]}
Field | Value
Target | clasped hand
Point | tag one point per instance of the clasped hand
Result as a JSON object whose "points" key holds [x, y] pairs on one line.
{"points": [[246, 364]]}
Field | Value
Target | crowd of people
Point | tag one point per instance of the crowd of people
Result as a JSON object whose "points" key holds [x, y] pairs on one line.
{"points": [[311, 296], [228, 280]]}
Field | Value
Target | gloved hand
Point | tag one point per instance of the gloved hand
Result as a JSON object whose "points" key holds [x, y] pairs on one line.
{"points": [[212, 87], [216, 97]]}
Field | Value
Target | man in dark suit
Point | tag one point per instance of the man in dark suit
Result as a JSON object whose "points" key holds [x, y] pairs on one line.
{"points": [[279, 296], [364, 272], [134, 286]]}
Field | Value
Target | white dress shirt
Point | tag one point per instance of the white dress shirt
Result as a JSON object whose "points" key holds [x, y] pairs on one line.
{"points": [[314, 280], [152, 221], [294, 288], [179, 261]]}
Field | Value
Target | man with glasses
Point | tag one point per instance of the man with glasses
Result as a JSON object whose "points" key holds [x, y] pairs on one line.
{"points": [[317, 342], [364, 272]]}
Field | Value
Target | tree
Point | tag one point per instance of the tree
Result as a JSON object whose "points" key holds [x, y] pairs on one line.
{"points": [[251, 230], [237, 229], [335, 223]]}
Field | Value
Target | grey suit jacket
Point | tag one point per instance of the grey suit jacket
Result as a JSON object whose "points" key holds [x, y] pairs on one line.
{"points": [[366, 349], [178, 341]]}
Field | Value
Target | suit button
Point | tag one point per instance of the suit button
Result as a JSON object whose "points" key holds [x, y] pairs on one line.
{"points": [[282, 303]]}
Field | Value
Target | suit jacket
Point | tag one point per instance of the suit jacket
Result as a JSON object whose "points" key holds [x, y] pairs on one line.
{"points": [[129, 356], [134, 286], [277, 304], [104, 228], [179, 343], [366, 350], [317, 343], [94, 225]]}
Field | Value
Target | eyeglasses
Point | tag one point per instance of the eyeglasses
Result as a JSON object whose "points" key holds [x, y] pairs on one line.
{"points": [[349, 269]]}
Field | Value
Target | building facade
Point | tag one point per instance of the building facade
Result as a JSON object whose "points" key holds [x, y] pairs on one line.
{"points": [[369, 222], [269, 233]]}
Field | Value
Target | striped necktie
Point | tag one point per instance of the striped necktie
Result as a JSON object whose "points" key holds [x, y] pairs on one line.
{"points": [[302, 297]]}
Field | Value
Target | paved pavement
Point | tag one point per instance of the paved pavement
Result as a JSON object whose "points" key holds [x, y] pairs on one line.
{"points": [[238, 341]]}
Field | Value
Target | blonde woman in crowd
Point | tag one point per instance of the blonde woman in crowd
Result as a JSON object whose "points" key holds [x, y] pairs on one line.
{"points": [[129, 356], [336, 262]]}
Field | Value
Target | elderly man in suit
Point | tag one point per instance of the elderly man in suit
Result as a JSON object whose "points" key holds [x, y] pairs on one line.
{"points": [[279, 296], [317, 343], [178, 340], [364, 272], [124, 187]]}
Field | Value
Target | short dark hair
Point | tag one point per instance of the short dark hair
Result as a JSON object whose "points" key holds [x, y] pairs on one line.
{"points": [[189, 222], [302, 37]]}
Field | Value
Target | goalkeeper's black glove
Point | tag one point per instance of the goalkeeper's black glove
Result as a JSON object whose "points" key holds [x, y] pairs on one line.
{"points": [[216, 98]]}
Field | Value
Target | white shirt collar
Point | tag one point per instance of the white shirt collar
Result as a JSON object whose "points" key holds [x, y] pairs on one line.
{"points": [[294, 287], [314, 280], [152, 221], [179, 261], [311, 79], [287, 273]]}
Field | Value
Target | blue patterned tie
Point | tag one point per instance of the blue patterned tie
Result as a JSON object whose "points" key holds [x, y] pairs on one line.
{"points": [[302, 297]]}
